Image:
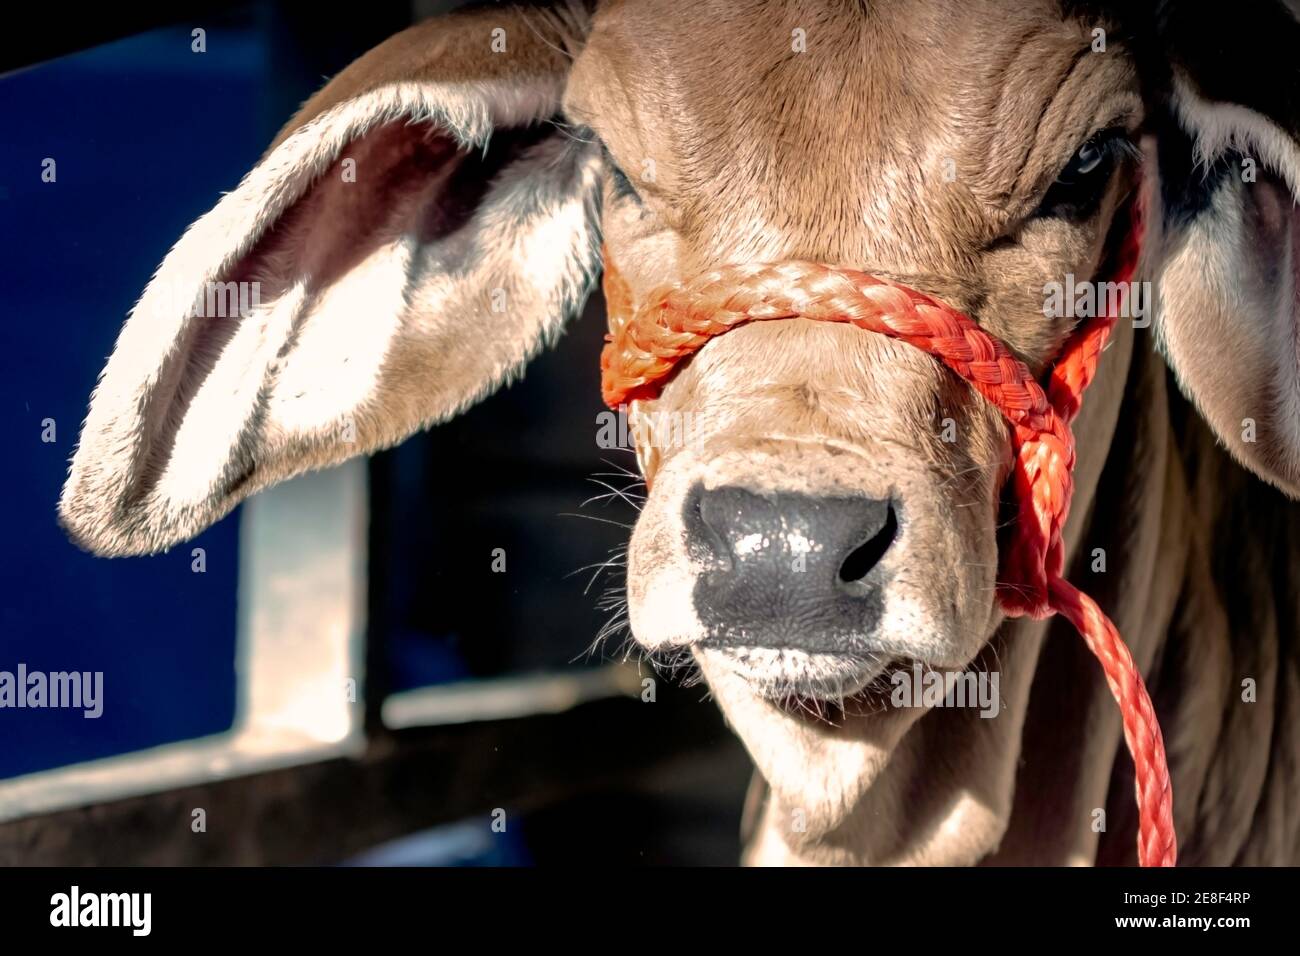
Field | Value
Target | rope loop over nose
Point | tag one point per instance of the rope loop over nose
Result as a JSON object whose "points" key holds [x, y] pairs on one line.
{"points": [[646, 344]]}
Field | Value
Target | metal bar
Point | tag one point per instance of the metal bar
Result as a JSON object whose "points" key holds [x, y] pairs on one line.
{"points": [[324, 813]]}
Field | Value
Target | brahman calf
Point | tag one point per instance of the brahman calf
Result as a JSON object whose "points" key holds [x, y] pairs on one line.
{"points": [[427, 222]]}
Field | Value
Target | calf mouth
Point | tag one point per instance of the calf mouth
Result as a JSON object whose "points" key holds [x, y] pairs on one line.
{"points": [[828, 694], [824, 688]]}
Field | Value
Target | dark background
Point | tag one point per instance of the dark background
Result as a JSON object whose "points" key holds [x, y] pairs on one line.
{"points": [[147, 134]]}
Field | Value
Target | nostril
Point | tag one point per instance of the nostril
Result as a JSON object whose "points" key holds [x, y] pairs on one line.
{"points": [[868, 554], [704, 523]]}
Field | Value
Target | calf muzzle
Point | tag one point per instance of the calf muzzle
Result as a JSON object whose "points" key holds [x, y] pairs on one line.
{"points": [[647, 340]]}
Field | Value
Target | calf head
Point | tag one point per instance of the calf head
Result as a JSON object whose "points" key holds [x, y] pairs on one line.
{"points": [[824, 504]]}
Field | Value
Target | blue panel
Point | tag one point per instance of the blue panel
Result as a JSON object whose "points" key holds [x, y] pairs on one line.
{"points": [[146, 135]]}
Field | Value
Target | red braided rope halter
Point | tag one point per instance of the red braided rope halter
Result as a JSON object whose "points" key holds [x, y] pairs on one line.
{"points": [[646, 345]]}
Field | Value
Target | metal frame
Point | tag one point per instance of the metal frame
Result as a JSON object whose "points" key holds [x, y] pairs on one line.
{"points": [[301, 634], [325, 812]]}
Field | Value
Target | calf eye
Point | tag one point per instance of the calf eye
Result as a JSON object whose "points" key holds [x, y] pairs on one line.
{"points": [[1080, 185], [623, 187]]}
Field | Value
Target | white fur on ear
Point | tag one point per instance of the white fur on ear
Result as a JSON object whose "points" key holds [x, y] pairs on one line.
{"points": [[1218, 128], [1228, 288], [189, 418]]}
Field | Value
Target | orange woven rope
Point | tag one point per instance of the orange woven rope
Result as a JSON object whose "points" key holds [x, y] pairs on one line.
{"points": [[646, 344]]}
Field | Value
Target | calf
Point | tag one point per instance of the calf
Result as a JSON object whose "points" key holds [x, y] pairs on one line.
{"points": [[431, 217]]}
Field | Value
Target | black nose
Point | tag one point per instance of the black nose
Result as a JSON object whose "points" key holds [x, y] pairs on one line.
{"points": [[788, 570]]}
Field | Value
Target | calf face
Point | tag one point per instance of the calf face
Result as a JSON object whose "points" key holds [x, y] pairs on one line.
{"points": [[824, 504]]}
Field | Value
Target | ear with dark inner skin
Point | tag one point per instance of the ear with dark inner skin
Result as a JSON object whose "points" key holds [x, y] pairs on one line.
{"points": [[1224, 250], [414, 235]]}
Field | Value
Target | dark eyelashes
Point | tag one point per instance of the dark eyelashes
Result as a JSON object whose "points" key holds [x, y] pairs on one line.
{"points": [[1076, 194], [623, 187], [1079, 187], [1119, 147]]}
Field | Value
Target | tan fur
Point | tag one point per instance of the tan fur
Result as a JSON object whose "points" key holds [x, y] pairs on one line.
{"points": [[741, 148], [746, 167], [819, 156]]}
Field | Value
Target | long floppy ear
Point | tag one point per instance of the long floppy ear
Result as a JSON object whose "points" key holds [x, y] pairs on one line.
{"points": [[413, 236], [1226, 245]]}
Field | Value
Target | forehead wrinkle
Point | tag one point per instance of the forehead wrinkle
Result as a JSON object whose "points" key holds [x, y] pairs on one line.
{"points": [[807, 158], [1013, 163], [1087, 101], [619, 87], [775, 169], [1005, 106], [839, 168]]}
